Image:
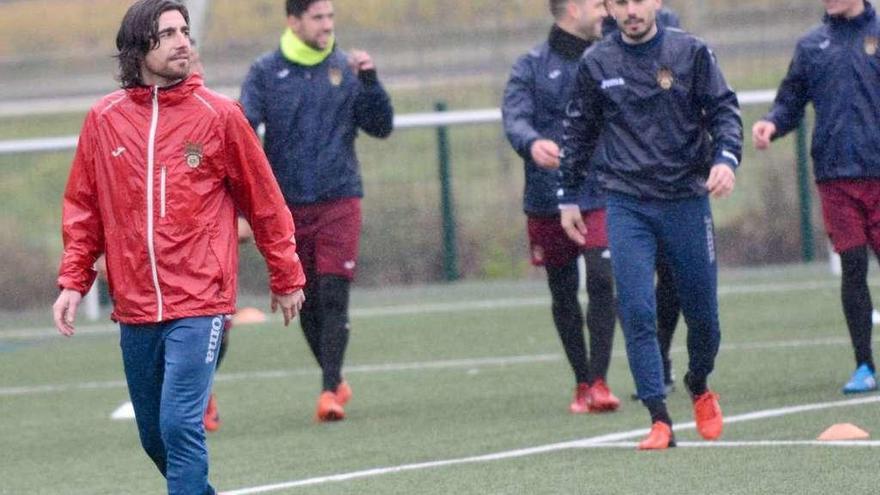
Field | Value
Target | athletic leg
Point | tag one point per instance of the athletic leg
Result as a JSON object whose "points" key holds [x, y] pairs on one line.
{"points": [[567, 317], [851, 210], [688, 238], [191, 347], [310, 317], [857, 305], [600, 311], [335, 327], [143, 357], [633, 246]]}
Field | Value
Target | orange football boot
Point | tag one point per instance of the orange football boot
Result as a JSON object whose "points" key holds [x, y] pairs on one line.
{"points": [[707, 413], [581, 402], [212, 415], [328, 408], [601, 398], [343, 393], [660, 437]]}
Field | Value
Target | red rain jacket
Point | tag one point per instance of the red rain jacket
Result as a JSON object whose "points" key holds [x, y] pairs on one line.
{"points": [[155, 183]]}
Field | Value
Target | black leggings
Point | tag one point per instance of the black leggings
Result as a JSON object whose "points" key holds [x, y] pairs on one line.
{"points": [[569, 320], [324, 320], [856, 299]]}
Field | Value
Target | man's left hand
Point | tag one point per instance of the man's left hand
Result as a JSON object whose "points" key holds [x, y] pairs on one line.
{"points": [[360, 60], [721, 181], [290, 304]]}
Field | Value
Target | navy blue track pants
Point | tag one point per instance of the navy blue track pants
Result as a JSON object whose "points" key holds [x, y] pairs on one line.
{"points": [[683, 231], [169, 368]]}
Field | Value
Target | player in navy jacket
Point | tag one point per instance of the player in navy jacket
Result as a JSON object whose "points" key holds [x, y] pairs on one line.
{"points": [[836, 66], [534, 105], [654, 119], [313, 100], [668, 307]]}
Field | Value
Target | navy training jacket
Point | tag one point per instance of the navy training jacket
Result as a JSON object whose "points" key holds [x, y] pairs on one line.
{"points": [[657, 116], [535, 97], [312, 115], [837, 67]]}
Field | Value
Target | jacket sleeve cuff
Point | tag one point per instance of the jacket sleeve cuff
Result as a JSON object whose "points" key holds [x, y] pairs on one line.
{"points": [[368, 76], [728, 158], [566, 199], [526, 150]]}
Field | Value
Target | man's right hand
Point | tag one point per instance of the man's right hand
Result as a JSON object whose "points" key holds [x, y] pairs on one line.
{"points": [[290, 304], [762, 133], [573, 224], [545, 154], [64, 311]]}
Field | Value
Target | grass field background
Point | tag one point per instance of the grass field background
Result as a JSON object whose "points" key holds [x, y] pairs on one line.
{"points": [[451, 372]]}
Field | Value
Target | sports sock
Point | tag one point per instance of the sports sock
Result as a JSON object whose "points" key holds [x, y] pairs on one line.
{"points": [[567, 317], [696, 385], [856, 299], [657, 410], [600, 311], [334, 327]]}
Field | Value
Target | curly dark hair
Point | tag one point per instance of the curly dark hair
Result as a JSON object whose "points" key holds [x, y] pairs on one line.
{"points": [[297, 7], [138, 34]]}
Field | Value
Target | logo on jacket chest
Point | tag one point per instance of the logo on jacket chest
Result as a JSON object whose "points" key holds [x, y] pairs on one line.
{"points": [[334, 74], [193, 154], [871, 45], [665, 78]]}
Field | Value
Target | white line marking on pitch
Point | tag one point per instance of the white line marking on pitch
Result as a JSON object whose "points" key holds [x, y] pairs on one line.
{"points": [[413, 366], [748, 443], [409, 309], [592, 442]]}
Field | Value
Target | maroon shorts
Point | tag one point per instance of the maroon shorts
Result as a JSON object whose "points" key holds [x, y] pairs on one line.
{"points": [[549, 244], [851, 209], [327, 236]]}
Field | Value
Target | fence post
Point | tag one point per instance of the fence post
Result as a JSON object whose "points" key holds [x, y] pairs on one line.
{"points": [[450, 250], [803, 173]]}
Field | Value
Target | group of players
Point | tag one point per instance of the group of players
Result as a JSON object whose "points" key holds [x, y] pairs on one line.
{"points": [[626, 126]]}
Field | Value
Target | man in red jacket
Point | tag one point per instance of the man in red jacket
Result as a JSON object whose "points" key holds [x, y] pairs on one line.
{"points": [[160, 169]]}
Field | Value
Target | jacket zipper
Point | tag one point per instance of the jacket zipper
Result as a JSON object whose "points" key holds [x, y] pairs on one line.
{"points": [[151, 156], [162, 193]]}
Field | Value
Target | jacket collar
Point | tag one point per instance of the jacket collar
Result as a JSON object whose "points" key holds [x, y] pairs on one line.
{"points": [[567, 44], [169, 95], [858, 21]]}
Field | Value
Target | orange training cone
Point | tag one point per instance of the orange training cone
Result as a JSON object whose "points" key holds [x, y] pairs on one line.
{"points": [[844, 431], [248, 316]]}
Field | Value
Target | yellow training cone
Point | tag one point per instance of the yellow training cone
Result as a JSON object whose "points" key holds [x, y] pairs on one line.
{"points": [[844, 431], [248, 316]]}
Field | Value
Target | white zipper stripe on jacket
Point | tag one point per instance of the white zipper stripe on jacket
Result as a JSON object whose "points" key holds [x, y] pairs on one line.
{"points": [[151, 156]]}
